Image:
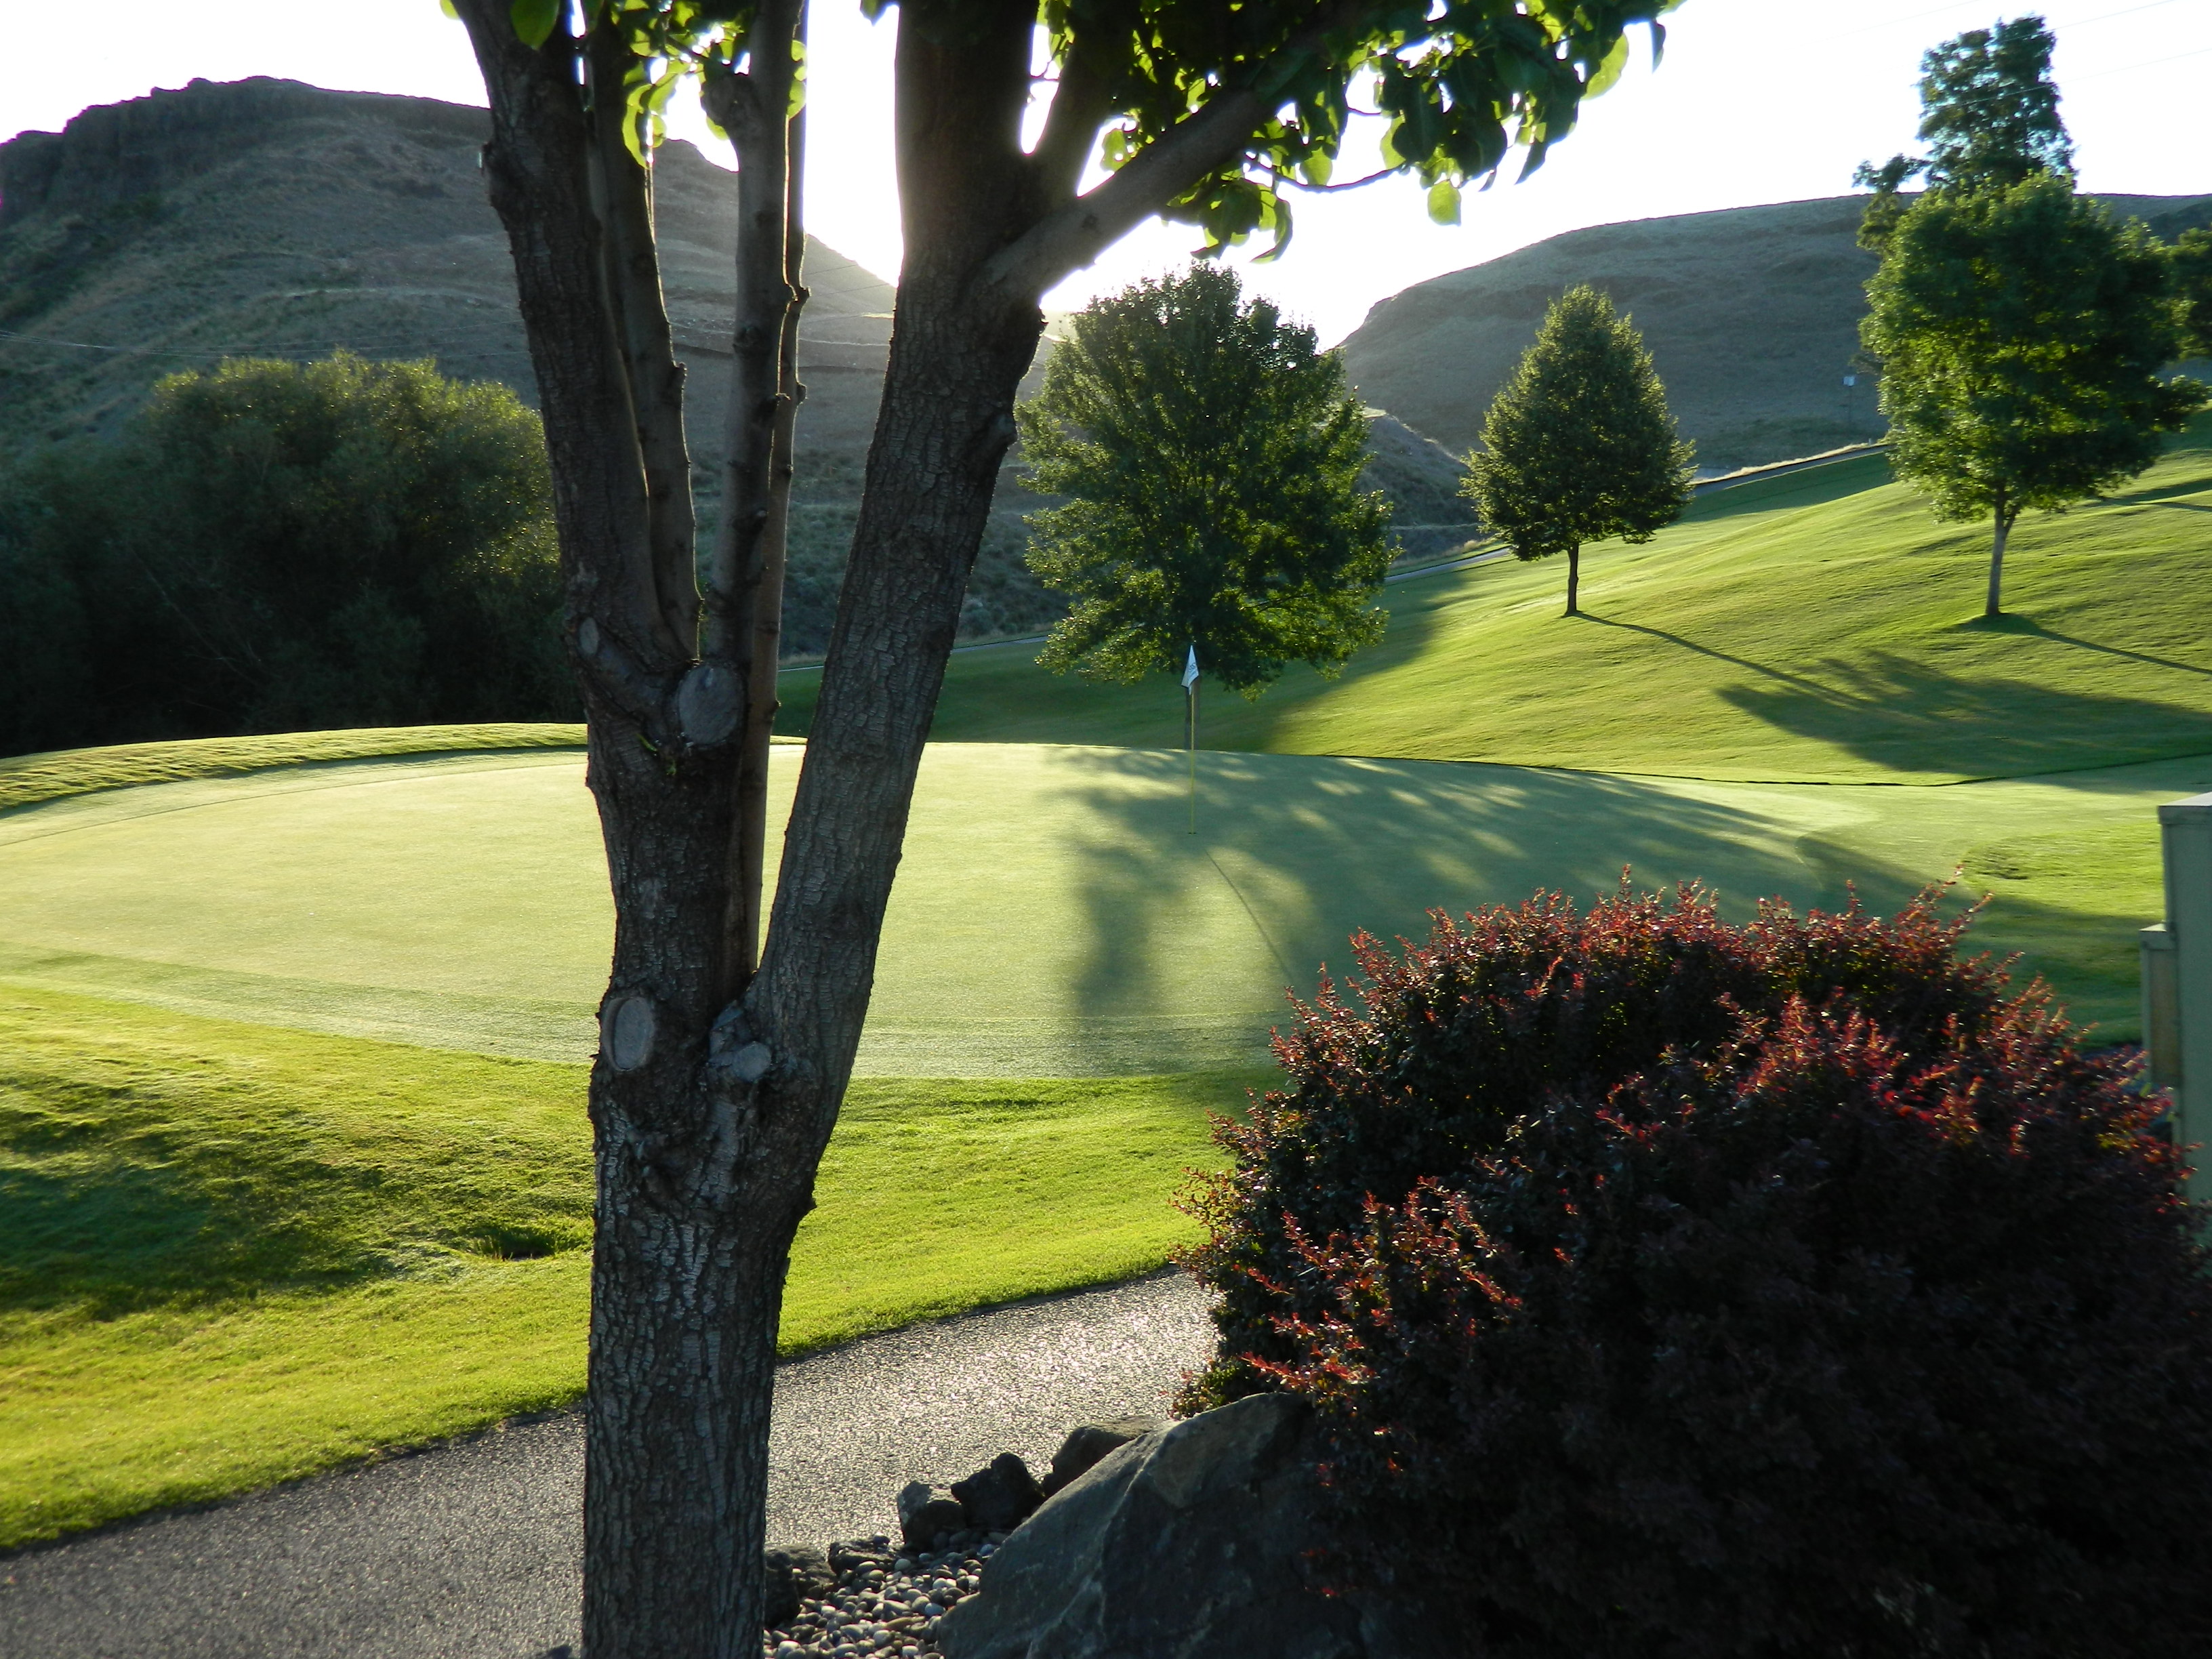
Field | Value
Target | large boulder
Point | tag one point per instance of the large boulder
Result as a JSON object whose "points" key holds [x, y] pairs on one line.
{"points": [[1190, 1543]]}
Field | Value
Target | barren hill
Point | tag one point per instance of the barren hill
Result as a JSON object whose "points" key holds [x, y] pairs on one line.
{"points": [[270, 218], [1752, 315]]}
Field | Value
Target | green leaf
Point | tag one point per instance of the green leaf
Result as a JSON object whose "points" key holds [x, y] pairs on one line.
{"points": [[448, 8], [1444, 202], [534, 21], [1607, 73]]}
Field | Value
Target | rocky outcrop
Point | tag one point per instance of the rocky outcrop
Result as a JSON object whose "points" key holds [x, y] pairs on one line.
{"points": [[1190, 1543]]}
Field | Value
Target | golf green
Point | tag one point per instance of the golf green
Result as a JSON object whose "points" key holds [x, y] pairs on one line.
{"points": [[1053, 917]]}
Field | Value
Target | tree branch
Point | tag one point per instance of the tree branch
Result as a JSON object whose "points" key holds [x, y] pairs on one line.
{"points": [[1073, 235], [624, 190], [538, 167], [1079, 107]]}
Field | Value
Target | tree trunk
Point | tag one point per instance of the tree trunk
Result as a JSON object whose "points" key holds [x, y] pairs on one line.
{"points": [[2003, 533], [703, 1181], [715, 1087], [1574, 577]]}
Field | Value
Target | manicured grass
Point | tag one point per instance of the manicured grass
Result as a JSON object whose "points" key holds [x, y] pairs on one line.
{"points": [[1818, 627], [26, 779], [233, 1255], [1051, 918]]}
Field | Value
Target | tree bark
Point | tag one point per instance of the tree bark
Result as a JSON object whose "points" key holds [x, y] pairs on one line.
{"points": [[701, 1179], [1574, 577], [1994, 607]]}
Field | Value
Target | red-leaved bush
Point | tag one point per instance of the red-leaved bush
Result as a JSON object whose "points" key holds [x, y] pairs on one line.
{"points": [[1666, 1288]]}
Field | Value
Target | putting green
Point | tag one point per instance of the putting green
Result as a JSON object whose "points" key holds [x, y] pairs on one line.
{"points": [[1052, 917]]}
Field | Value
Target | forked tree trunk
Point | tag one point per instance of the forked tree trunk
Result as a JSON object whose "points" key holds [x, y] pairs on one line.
{"points": [[716, 1086], [1574, 578]]}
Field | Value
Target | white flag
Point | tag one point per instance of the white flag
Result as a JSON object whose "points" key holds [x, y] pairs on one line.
{"points": [[1190, 669]]}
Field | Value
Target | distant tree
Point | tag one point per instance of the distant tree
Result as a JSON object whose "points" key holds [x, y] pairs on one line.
{"points": [[1989, 113], [274, 546], [2192, 274], [1579, 446], [2021, 331], [1211, 454]]}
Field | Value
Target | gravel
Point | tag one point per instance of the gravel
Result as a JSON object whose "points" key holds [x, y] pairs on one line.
{"points": [[885, 1603], [473, 1550]]}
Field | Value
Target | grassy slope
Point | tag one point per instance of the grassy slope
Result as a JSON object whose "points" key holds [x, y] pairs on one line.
{"points": [[27, 779], [1819, 627], [236, 1255]]}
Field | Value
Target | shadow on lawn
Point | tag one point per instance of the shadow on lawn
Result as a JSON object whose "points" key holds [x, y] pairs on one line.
{"points": [[1903, 715], [1311, 850]]}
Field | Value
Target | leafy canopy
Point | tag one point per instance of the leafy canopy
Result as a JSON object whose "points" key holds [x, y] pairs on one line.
{"points": [[1579, 445], [274, 546], [2021, 331], [1211, 455], [1462, 84], [1989, 113]]}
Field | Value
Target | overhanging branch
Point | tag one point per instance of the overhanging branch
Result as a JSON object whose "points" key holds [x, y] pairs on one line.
{"points": [[1073, 235]]}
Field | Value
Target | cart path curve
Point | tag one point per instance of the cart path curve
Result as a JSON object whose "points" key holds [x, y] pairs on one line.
{"points": [[473, 1549]]}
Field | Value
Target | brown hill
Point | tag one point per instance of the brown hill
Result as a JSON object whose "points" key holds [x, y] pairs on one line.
{"points": [[1752, 315], [269, 218]]}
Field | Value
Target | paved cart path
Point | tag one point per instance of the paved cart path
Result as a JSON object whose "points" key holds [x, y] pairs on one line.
{"points": [[472, 1550]]}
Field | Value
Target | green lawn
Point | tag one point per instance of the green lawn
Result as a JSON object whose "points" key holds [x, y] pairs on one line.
{"points": [[1051, 917], [235, 1255], [1817, 626], [293, 1163]]}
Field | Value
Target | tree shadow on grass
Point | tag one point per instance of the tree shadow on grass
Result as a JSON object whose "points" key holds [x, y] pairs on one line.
{"points": [[1313, 850], [115, 1199], [2013, 623], [1294, 853], [1905, 716]]}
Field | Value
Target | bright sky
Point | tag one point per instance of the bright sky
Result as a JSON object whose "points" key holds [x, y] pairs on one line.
{"points": [[1758, 100]]}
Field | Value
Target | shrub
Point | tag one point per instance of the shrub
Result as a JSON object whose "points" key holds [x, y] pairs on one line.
{"points": [[1669, 1288], [272, 546]]}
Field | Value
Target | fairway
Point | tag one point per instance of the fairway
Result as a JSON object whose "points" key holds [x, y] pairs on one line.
{"points": [[235, 1255], [1052, 917], [1816, 627]]}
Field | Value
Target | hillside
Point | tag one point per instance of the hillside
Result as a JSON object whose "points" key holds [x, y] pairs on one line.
{"points": [[266, 217], [1752, 316], [1816, 627]]}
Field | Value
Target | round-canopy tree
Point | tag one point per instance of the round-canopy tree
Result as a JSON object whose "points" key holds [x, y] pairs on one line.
{"points": [[1579, 446], [2021, 331], [1210, 455], [273, 546], [2020, 328]]}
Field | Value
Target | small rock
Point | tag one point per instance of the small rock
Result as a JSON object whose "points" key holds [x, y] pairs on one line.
{"points": [[1089, 1442], [925, 1512], [796, 1573], [1002, 1495]]}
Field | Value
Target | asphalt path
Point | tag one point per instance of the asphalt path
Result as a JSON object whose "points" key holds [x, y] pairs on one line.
{"points": [[473, 1550]]}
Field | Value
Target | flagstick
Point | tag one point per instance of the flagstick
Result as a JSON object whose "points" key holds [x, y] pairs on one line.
{"points": [[1194, 757]]}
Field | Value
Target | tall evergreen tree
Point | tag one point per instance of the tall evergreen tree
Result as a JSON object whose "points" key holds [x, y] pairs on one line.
{"points": [[1579, 446], [1210, 452], [2021, 331]]}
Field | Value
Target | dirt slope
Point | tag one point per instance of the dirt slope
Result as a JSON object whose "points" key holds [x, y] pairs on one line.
{"points": [[1752, 315]]}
